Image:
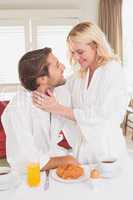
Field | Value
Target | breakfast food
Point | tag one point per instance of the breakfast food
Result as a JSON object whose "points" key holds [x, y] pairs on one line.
{"points": [[70, 171], [95, 174]]}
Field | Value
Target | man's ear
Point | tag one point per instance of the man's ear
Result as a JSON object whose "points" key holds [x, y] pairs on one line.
{"points": [[42, 80]]}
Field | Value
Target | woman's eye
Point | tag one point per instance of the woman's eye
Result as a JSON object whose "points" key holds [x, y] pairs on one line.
{"points": [[79, 52], [72, 53]]}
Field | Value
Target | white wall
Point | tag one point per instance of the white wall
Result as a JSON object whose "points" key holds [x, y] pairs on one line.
{"points": [[89, 10]]}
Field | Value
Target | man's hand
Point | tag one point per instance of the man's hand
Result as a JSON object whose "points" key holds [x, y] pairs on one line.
{"points": [[59, 161]]}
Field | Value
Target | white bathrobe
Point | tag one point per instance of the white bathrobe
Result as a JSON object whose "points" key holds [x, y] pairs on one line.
{"points": [[29, 134], [99, 111]]}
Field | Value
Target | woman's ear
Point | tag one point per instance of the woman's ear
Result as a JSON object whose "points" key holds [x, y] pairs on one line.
{"points": [[93, 45]]}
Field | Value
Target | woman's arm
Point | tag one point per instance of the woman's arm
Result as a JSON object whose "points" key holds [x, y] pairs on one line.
{"points": [[50, 104], [65, 112]]}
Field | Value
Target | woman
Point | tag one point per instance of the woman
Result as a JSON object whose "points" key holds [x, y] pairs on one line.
{"points": [[98, 94]]}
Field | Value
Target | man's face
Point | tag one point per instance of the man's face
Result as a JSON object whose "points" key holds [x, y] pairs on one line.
{"points": [[56, 70]]}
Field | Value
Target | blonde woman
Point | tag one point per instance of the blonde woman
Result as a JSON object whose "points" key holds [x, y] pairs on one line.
{"points": [[98, 94]]}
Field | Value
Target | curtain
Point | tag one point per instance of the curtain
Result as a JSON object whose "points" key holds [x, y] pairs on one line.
{"points": [[110, 21]]}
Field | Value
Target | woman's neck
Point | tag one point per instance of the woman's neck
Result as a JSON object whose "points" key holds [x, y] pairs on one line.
{"points": [[91, 72], [93, 66]]}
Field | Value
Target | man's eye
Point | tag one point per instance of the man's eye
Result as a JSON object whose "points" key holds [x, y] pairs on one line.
{"points": [[58, 65], [80, 52]]}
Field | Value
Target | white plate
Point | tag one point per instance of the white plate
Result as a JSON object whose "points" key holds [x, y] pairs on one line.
{"points": [[80, 179], [116, 173], [9, 181]]}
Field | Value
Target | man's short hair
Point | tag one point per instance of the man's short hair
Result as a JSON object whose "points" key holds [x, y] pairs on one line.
{"points": [[33, 65]]}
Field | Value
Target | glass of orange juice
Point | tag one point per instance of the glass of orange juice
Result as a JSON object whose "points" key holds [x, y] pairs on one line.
{"points": [[33, 174]]}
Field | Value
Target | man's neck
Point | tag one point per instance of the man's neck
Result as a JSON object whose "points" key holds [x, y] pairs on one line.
{"points": [[43, 89]]}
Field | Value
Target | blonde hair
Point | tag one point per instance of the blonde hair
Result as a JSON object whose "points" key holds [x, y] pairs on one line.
{"points": [[88, 32]]}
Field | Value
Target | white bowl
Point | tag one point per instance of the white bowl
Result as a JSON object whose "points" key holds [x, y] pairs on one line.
{"points": [[8, 180], [5, 175], [5, 170]]}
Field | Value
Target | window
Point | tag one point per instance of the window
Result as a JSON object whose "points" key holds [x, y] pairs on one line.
{"points": [[55, 37], [128, 42], [20, 33], [12, 46]]}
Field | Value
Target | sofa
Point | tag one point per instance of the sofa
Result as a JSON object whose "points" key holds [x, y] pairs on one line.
{"points": [[3, 104]]}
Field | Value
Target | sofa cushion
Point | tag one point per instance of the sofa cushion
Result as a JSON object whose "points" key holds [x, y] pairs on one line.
{"points": [[2, 144], [3, 104]]}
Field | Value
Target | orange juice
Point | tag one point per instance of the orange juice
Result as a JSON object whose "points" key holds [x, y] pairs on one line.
{"points": [[33, 174]]}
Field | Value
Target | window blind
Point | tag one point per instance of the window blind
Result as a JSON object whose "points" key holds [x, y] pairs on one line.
{"points": [[54, 36], [12, 47]]}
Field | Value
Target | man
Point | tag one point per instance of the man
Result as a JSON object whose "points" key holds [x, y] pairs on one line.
{"points": [[32, 134]]}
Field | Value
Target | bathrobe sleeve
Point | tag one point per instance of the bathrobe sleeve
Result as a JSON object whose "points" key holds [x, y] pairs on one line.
{"points": [[20, 147]]}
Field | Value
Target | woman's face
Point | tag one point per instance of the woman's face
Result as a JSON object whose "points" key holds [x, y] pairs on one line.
{"points": [[84, 54]]}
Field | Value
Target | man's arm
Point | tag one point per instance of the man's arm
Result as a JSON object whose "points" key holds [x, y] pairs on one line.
{"points": [[59, 161], [20, 145]]}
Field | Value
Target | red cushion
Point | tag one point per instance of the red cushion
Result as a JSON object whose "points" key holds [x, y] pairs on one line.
{"points": [[2, 133], [2, 144], [3, 104]]}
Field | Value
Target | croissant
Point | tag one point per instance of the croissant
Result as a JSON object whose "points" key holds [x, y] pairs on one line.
{"points": [[70, 171]]}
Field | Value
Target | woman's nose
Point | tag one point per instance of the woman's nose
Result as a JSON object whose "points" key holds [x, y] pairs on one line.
{"points": [[76, 57]]}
